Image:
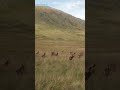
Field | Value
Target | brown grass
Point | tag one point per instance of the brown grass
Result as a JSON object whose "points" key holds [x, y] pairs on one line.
{"points": [[58, 72]]}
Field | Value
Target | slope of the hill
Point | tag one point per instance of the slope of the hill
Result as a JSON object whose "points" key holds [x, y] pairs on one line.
{"points": [[53, 24]]}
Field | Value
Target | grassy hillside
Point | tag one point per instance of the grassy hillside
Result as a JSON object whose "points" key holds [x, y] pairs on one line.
{"points": [[53, 24], [61, 33], [56, 18]]}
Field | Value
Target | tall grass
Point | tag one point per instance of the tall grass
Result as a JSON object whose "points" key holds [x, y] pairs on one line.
{"points": [[59, 73]]}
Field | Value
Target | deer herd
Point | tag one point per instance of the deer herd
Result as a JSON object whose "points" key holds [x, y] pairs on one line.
{"points": [[107, 71], [89, 71], [19, 71], [71, 57]]}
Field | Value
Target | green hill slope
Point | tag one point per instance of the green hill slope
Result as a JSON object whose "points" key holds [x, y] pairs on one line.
{"points": [[55, 25]]}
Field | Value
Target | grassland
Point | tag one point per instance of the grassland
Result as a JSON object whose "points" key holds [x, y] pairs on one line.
{"points": [[58, 72], [56, 31]]}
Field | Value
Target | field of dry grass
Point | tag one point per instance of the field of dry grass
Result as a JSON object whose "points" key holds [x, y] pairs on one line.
{"points": [[58, 72]]}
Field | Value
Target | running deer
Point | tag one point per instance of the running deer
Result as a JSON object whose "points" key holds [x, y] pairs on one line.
{"points": [[71, 57], [6, 63], [20, 70], [52, 53], [90, 72], [44, 55]]}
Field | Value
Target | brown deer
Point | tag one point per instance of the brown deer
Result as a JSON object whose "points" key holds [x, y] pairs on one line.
{"points": [[90, 72], [91, 67], [52, 53], [6, 63], [71, 57], [20, 70], [44, 55]]}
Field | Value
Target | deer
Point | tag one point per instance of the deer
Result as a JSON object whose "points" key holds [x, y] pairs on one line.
{"points": [[44, 55], [52, 53], [6, 63], [20, 70], [71, 57], [90, 72], [92, 66]]}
